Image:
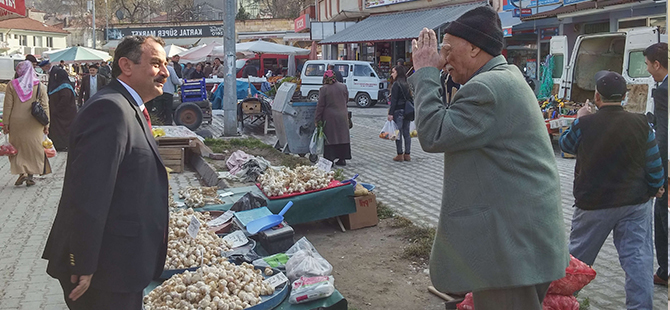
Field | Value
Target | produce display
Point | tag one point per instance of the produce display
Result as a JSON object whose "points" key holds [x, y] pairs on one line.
{"points": [[186, 252], [360, 190], [198, 197], [299, 180], [222, 287]]}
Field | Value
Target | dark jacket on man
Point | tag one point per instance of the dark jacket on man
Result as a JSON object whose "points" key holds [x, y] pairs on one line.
{"points": [[177, 69], [618, 161], [660, 95], [85, 88], [112, 217]]}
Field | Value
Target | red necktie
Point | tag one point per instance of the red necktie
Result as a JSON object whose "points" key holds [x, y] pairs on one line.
{"points": [[146, 116]]}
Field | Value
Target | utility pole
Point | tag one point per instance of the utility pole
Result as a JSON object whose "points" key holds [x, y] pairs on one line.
{"points": [[230, 82], [106, 20], [91, 7]]}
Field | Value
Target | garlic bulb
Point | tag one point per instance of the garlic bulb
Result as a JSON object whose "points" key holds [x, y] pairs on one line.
{"points": [[222, 287], [186, 252], [198, 197], [298, 180]]}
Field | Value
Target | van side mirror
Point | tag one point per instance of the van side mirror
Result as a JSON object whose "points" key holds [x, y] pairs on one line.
{"points": [[372, 74]]}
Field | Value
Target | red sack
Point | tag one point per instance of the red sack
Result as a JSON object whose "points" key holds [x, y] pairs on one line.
{"points": [[7, 149], [467, 303], [577, 275], [560, 302]]}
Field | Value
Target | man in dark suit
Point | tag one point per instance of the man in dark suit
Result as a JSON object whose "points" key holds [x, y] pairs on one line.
{"points": [[51, 71], [109, 238], [91, 84], [656, 58]]}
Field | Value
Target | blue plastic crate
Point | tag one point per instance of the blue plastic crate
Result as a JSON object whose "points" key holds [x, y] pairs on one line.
{"points": [[193, 90]]}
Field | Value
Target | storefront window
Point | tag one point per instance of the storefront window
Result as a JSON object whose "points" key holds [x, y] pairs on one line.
{"points": [[315, 70], [636, 66], [558, 66]]}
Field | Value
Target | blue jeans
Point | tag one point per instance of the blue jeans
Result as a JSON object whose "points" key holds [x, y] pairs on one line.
{"points": [[403, 126], [632, 226]]}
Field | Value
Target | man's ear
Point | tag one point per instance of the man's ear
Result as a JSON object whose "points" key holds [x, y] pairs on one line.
{"points": [[474, 50], [126, 65]]}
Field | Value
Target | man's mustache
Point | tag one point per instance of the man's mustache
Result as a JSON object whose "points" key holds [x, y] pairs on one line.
{"points": [[160, 79]]}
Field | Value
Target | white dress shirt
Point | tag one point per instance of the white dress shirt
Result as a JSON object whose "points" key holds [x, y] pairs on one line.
{"points": [[134, 94], [94, 85]]}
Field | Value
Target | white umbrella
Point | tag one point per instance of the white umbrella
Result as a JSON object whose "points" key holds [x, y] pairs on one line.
{"points": [[198, 53], [171, 50], [269, 48]]}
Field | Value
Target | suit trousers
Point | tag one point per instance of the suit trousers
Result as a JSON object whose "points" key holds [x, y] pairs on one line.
{"points": [[511, 298], [94, 299]]}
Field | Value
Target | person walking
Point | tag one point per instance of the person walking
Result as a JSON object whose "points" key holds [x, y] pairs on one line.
{"points": [[25, 132], [108, 240], [400, 98], [331, 110], [51, 72], [655, 56], [62, 109], [105, 70], [91, 84], [501, 232], [616, 176]]}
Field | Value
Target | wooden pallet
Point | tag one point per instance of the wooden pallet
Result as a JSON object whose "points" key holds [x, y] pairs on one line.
{"points": [[173, 157], [176, 142]]}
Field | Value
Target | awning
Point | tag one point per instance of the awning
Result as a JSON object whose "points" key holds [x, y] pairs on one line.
{"points": [[387, 27], [581, 6]]}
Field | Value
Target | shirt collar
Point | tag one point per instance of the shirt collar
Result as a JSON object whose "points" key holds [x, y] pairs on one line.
{"points": [[134, 94], [665, 78]]}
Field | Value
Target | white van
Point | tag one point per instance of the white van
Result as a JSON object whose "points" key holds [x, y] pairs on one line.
{"points": [[7, 65], [619, 51], [365, 84]]}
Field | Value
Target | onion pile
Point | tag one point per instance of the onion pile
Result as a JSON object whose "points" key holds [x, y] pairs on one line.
{"points": [[222, 287], [299, 180], [184, 251]]}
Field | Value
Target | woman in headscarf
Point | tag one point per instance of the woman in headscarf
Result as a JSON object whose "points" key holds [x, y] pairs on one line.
{"points": [[25, 132], [332, 110], [63, 109]]}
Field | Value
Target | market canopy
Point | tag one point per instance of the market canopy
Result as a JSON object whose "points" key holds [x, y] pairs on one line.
{"points": [[171, 50], [269, 48], [385, 27], [200, 53], [78, 54]]}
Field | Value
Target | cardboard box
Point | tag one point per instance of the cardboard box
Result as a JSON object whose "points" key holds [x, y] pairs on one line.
{"points": [[366, 213]]}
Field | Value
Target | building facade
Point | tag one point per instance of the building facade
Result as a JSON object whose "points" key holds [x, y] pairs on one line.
{"points": [[28, 36]]}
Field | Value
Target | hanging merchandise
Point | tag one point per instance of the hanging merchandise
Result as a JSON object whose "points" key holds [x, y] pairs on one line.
{"points": [[547, 79]]}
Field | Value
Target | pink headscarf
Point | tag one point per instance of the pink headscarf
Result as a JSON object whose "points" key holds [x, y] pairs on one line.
{"points": [[26, 81]]}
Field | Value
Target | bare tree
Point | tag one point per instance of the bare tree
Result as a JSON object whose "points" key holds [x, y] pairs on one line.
{"points": [[281, 8]]}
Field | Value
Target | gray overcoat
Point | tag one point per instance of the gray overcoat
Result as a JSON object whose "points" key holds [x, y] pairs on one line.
{"points": [[332, 109], [501, 221]]}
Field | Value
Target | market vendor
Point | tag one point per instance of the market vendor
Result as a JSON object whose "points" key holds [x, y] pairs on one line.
{"points": [[501, 233]]}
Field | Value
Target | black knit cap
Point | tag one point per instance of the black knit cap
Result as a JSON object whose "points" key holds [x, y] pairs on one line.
{"points": [[481, 27]]}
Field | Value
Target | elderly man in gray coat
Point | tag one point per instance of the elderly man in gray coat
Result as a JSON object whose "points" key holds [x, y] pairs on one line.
{"points": [[500, 233]]}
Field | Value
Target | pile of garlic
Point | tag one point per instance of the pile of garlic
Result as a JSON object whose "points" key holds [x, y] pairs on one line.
{"points": [[299, 180], [186, 252], [222, 287], [198, 197]]}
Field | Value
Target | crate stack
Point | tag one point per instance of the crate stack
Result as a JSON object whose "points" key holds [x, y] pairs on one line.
{"points": [[193, 90]]}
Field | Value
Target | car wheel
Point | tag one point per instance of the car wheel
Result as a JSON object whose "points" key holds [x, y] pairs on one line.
{"points": [[313, 96], [188, 114], [363, 100]]}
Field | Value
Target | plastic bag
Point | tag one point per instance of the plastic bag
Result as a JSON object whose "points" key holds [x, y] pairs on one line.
{"points": [[249, 201], [560, 302], [6, 148], [389, 131], [49, 149], [551, 302], [307, 289], [577, 275], [412, 130], [317, 141], [305, 261]]}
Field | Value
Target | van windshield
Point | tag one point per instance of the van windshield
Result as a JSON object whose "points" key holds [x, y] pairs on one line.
{"points": [[380, 74], [239, 63]]}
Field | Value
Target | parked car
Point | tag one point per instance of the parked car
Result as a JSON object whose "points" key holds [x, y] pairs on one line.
{"points": [[365, 84], [617, 51]]}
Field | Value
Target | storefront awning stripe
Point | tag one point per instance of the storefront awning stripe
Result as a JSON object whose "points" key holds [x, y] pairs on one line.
{"points": [[398, 26]]}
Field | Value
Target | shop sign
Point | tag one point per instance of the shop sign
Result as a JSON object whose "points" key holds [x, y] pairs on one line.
{"points": [[12, 8], [522, 12], [568, 2], [167, 32], [547, 33], [376, 3], [509, 5], [507, 32], [301, 23]]}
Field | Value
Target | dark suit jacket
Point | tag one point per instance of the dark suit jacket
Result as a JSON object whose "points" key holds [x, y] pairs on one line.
{"points": [[112, 218], [661, 125], [85, 88]]}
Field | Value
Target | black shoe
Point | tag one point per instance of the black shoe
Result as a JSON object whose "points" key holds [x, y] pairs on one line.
{"points": [[341, 162]]}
